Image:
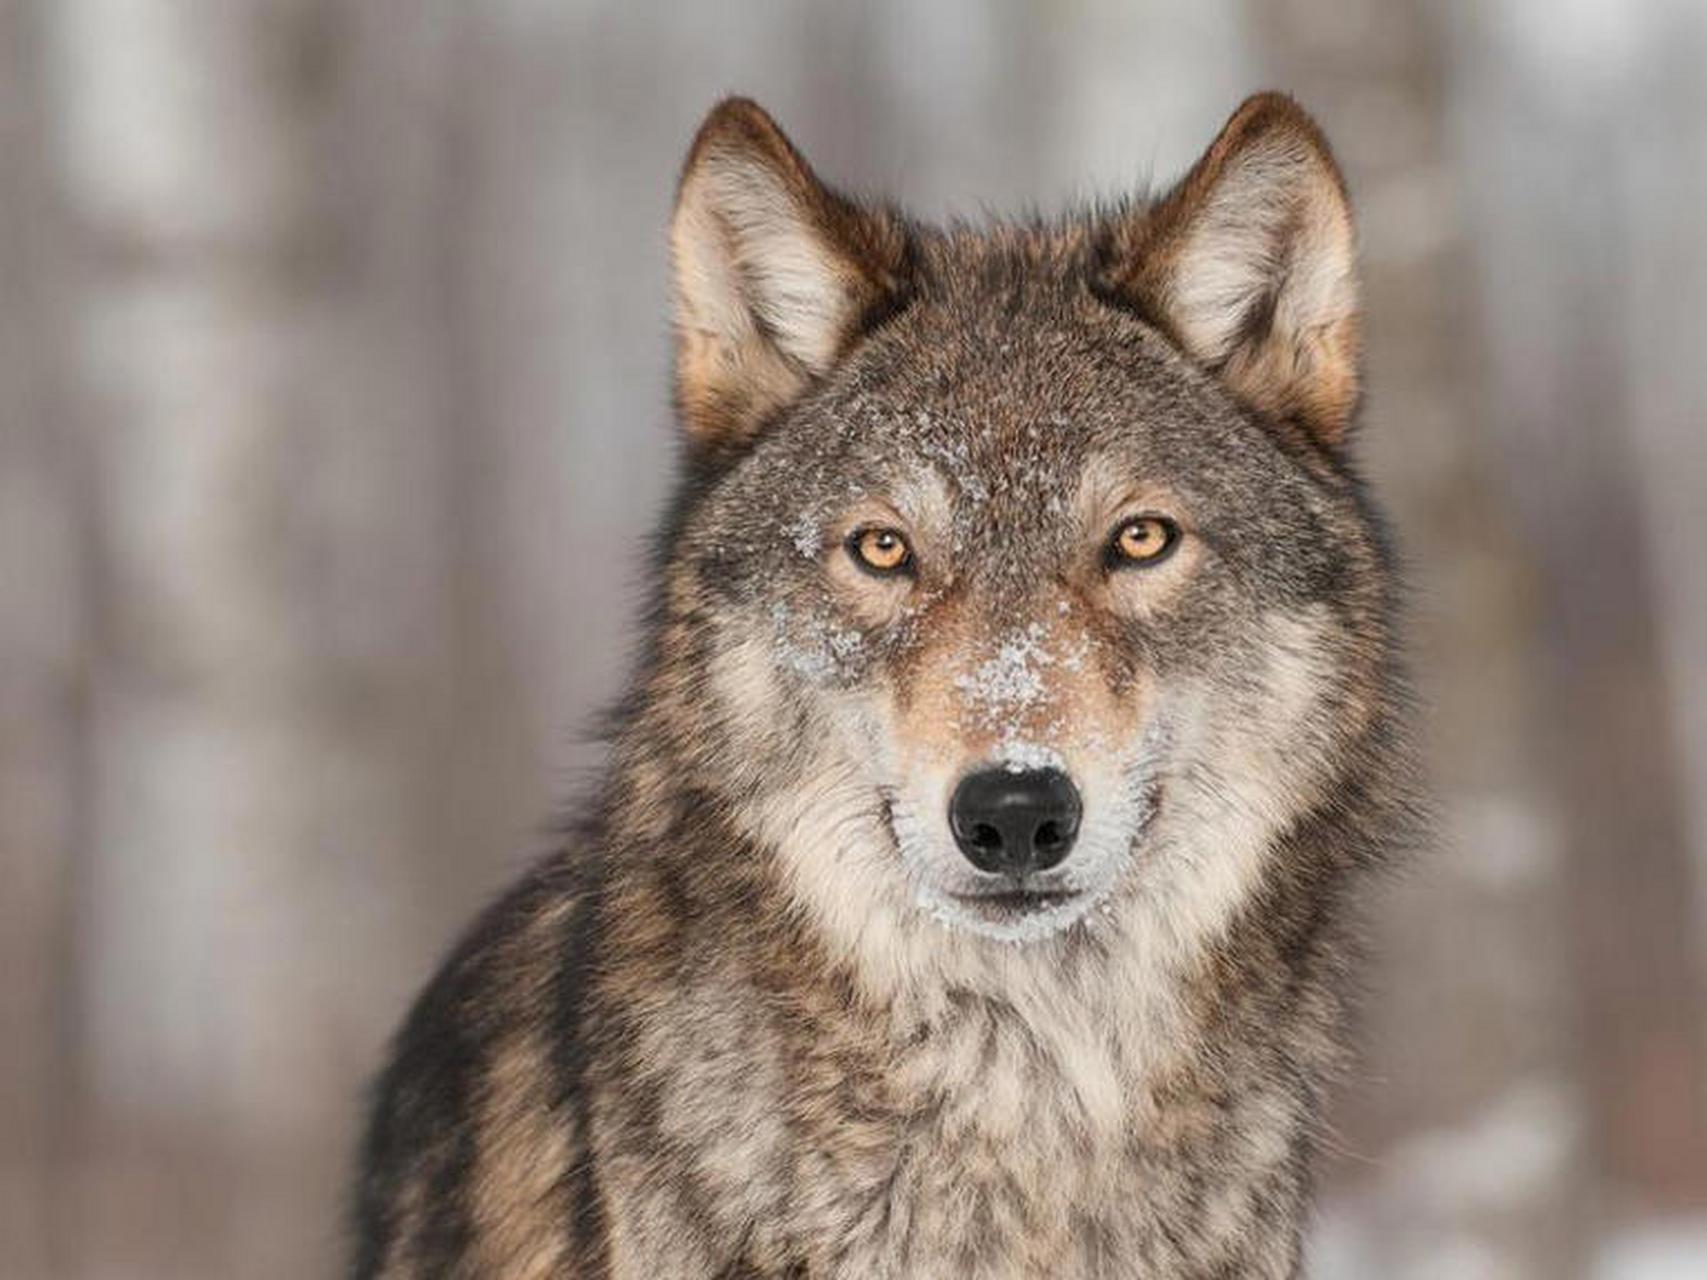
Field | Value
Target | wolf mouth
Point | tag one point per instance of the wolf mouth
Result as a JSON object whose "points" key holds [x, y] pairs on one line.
{"points": [[1012, 904]]}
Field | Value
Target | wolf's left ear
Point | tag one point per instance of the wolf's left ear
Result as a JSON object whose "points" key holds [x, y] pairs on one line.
{"points": [[1250, 262], [775, 274]]}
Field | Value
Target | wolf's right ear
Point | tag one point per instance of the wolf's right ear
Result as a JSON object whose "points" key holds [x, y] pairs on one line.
{"points": [[775, 274]]}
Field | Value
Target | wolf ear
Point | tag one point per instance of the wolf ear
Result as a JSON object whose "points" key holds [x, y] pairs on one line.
{"points": [[775, 274], [1250, 263]]}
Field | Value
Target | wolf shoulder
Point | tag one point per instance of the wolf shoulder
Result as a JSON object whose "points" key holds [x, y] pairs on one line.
{"points": [[473, 1132]]}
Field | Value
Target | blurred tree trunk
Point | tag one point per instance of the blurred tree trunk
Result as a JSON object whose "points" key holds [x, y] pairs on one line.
{"points": [[1561, 239], [254, 192], [43, 676]]}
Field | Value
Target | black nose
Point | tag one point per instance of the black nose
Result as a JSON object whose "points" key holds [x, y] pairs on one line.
{"points": [[1015, 821]]}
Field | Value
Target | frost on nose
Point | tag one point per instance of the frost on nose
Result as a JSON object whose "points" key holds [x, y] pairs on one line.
{"points": [[1015, 695]]}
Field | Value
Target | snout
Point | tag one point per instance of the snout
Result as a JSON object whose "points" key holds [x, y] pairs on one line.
{"points": [[1014, 822]]}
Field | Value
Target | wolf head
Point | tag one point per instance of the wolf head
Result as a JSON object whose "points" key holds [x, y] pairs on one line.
{"points": [[1021, 589]]}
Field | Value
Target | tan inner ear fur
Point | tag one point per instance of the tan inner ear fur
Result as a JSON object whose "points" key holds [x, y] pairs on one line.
{"points": [[773, 273], [1250, 262]]}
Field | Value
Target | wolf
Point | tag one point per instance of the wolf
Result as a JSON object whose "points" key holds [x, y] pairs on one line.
{"points": [[972, 889]]}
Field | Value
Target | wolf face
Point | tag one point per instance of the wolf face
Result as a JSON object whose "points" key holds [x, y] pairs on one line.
{"points": [[1029, 584]]}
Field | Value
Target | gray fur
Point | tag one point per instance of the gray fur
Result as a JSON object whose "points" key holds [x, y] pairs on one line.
{"points": [[737, 1026]]}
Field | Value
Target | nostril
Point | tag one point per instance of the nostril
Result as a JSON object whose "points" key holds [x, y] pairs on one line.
{"points": [[1049, 837], [986, 837]]}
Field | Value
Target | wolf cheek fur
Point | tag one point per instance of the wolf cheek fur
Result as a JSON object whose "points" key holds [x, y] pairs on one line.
{"points": [[1063, 508]]}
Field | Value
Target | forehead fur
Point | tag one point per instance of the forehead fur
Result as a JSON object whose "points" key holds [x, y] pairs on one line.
{"points": [[1009, 325], [1007, 365]]}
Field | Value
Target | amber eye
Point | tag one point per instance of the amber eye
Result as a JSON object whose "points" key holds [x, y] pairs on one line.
{"points": [[880, 551], [1142, 540]]}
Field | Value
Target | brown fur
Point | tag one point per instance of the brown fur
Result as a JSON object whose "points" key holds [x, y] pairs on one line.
{"points": [[747, 1024]]}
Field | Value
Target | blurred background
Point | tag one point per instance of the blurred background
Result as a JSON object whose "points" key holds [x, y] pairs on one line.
{"points": [[332, 416]]}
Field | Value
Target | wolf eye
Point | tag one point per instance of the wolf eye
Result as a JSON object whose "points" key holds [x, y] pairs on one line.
{"points": [[1142, 540], [883, 552]]}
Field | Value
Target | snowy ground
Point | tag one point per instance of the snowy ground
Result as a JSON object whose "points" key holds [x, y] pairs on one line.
{"points": [[1664, 1249], [1507, 1162]]}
